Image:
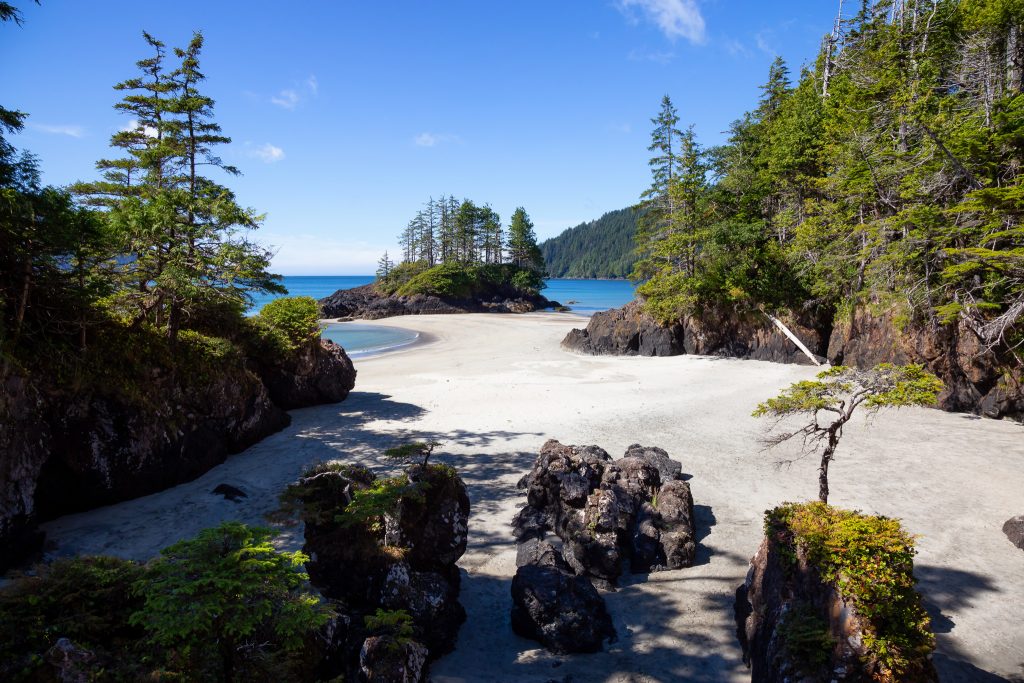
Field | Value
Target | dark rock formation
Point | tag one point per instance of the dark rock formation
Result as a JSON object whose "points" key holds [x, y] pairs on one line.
{"points": [[977, 380], [608, 513], [635, 511], [1014, 530], [367, 303], [72, 664], [793, 626], [319, 373], [386, 659], [65, 450], [232, 493], [550, 604], [629, 331], [400, 562]]}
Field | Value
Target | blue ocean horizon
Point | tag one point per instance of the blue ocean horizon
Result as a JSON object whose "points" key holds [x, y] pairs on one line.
{"points": [[583, 297]]}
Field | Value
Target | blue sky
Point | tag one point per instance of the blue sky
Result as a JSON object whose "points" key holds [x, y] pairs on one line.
{"points": [[345, 116]]}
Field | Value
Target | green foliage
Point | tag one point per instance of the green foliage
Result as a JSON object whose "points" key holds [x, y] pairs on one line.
{"points": [[870, 560], [215, 604], [601, 248], [392, 622], [322, 489], [369, 505], [85, 599], [292, 321], [463, 281], [806, 637], [414, 451]]}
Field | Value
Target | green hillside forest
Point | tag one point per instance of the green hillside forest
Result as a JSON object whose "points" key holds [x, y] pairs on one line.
{"points": [[601, 248]]}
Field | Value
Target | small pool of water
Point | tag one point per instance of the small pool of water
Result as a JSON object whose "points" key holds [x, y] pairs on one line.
{"points": [[361, 341]]}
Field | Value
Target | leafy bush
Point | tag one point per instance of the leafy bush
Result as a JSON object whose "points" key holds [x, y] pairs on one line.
{"points": [[399, 275], [291, 321], [226, 604], [85, 599], [870, 560], [806, 637]]}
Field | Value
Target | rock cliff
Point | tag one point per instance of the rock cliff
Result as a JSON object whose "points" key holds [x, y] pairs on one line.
{"points": [[367, 303], [977, 380], [65, 449], [629, 331]]}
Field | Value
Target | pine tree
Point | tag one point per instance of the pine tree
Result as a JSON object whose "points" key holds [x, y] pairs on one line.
{"points": [[384, 267], [522, 242]]}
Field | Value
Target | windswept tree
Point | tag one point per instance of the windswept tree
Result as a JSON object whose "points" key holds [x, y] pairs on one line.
{"points": [[384, 266], [830, 401]]}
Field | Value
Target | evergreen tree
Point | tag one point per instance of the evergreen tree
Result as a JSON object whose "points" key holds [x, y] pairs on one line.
{"points": [[384, 267], [522, 242]]}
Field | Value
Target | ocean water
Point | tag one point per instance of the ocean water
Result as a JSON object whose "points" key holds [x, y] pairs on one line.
{"points": [[584, 297]]}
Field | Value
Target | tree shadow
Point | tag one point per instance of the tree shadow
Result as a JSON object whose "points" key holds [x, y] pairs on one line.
{"points": [[945, 590]]}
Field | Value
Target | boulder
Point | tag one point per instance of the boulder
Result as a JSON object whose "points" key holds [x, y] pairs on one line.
{"points": [[432, 602], [387, 659], [321, 372], [434, 529], [1014, 530], [562, 611], [636, 509]]}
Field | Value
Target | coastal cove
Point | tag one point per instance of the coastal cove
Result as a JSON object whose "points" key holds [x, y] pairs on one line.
{"points": [[366, 339]]}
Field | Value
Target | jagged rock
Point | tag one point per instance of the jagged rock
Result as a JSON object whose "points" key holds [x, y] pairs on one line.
{"points": [[435, 528], [976, 379], [562, 611], [73, 664], [629, 331], [321, 372], [385, 659], [431, 600], [1014, 530], [636, 508], [367, 303]]}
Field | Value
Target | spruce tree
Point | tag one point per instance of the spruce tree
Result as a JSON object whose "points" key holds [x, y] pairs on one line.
{"points": [[522, 242]]}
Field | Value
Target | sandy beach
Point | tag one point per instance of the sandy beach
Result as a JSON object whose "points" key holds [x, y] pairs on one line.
{"points": [[493, 388]]}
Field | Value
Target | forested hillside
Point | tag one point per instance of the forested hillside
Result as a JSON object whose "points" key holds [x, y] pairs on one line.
{"points": [[888, 172], [601, 248]]}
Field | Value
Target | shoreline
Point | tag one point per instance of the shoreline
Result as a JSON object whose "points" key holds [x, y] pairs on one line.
{"points": [[494, 387]]}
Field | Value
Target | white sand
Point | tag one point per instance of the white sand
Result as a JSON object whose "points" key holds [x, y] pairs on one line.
{"points": [[493, 388]]}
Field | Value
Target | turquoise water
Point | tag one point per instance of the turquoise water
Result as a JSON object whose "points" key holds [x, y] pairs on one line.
{"points": [[584, 297]]}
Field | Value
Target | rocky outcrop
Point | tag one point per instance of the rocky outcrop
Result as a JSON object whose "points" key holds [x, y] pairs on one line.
{"points": [[795, 626], [63, 450], [367, 303], [1014, 530], [629, 331], [606, 515], [976, 380], [390, 570], [610, 514], [321, 372]]}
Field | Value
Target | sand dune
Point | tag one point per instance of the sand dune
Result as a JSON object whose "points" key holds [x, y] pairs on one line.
{"points": [[493, 388]]}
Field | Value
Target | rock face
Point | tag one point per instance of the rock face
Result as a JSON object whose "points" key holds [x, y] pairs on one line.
{"points": [[778, 611], [63, 451], [402, 563], [367, 303], [1014, 530], [550, 604], [606, 515], [977, 380], [629, 331]]}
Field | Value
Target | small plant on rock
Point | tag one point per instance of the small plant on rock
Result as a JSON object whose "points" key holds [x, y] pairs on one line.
{"points": [[413, 452], [835, 395]]}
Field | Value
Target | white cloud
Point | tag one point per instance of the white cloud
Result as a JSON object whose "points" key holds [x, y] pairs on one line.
{"points": [[675, 18], [650, 56], [736, 48], [134, 125], [288, 99], [308, 254], [434, 139], [73, 131], [623, 128], [764, 44], [267, 153]]}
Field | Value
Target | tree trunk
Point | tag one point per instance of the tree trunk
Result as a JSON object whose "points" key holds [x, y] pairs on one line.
{"points": [[826, 458]]}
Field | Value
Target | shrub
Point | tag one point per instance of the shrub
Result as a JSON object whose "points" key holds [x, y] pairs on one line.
{"points": [[293, 321], [226, 604], [399, 275], [870, 560]]}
